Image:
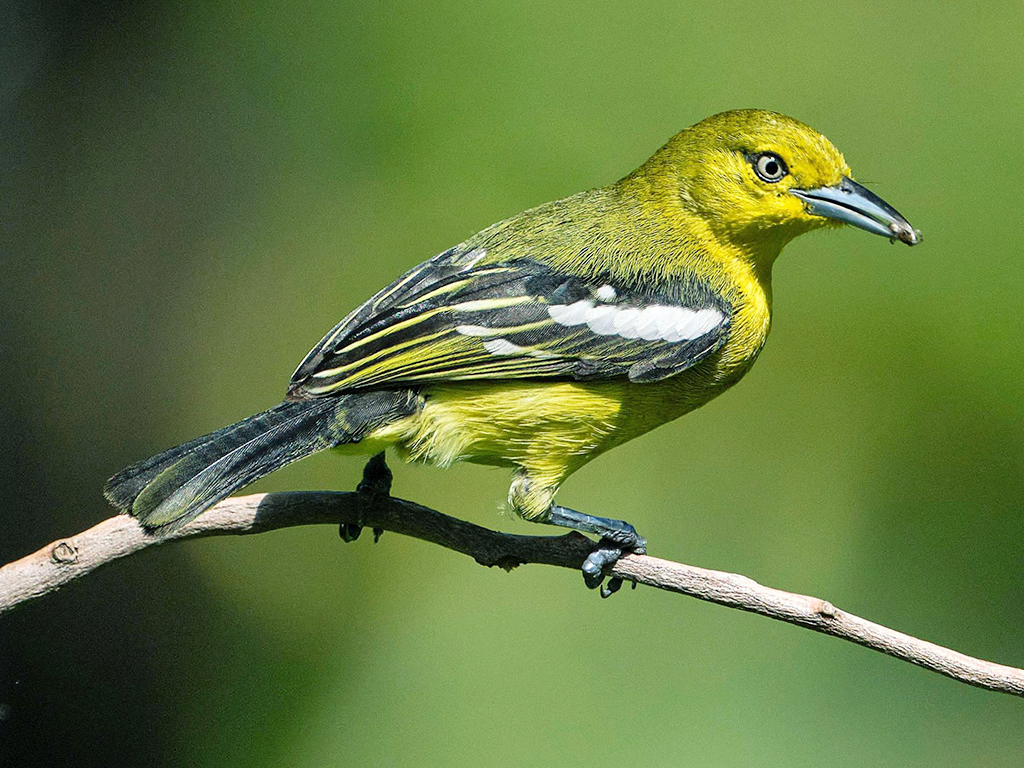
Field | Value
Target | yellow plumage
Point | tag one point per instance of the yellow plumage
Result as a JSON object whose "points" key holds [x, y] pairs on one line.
{"points": [[555, 335]]}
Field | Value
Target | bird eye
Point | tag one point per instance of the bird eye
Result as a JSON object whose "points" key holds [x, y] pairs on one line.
{"points": [[769, 166]]}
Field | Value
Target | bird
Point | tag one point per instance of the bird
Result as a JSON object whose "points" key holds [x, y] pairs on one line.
{"points": [[553, 336]]}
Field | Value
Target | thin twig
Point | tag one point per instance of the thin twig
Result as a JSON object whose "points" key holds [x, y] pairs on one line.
{"points": [[68, 559]]}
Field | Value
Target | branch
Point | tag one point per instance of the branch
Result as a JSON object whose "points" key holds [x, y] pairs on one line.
{"points": [[68, 559]]}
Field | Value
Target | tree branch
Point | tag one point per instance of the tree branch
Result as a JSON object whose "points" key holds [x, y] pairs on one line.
{"points": [[68, 559]]}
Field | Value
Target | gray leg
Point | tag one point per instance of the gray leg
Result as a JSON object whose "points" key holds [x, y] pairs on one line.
{"points": [[617, 539]]}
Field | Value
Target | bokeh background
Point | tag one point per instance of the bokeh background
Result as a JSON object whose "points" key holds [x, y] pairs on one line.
{"points": [[191, 193]]}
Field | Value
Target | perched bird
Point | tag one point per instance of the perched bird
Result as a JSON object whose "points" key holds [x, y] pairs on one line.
{"points": [[548, 338]]}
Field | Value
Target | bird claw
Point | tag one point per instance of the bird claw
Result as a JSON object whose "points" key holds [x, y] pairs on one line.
{"points": [[614, 585], [608, 552], [618, 538], [349, 532], [375, 485]]}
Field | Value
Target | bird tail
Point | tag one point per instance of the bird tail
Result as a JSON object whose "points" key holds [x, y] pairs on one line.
{"points": [[177, 485]]}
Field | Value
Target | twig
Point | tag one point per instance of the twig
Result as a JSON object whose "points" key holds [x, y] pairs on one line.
{"points": [[68, 559]]}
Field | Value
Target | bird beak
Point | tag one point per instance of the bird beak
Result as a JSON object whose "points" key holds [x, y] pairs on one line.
{"points": [[851, 203]]}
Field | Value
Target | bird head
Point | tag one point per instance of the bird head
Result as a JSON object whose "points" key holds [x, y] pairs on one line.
{"points": [[759, 179]]}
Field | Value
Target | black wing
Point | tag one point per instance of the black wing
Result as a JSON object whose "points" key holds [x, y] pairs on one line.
{"points": [[460, 317]]}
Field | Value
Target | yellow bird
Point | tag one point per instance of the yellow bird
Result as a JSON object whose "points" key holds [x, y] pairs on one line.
{"points": [[552, 336]]}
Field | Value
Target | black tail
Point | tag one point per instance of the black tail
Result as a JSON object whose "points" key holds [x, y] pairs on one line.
{"points": [[175, 486]]}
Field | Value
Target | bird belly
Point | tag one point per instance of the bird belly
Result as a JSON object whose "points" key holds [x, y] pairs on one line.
{"points": [[548, 428], [507, 423]]}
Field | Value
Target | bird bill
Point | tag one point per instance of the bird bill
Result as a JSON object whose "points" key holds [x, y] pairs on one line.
{"points": [[851, 203]]}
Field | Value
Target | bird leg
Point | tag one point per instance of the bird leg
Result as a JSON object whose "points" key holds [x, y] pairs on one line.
{"points": [[618, 538], [375, 485]]}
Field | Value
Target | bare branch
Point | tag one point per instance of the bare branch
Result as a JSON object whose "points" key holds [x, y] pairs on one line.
{"points": [[68, 559]]}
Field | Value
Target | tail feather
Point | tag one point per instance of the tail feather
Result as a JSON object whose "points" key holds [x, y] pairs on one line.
{"points": [[177, 485], [123, 487]]}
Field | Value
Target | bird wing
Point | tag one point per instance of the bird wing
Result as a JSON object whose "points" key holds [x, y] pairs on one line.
{"points": [[458, 318]]}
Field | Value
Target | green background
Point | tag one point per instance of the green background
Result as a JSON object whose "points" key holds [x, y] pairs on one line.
{"points": [[193, 192]]}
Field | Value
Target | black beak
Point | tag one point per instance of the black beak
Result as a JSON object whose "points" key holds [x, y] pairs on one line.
{"points": [[851, 203]]}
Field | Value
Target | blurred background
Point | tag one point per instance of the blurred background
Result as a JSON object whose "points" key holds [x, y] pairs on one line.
{"points": [[193, 192]]}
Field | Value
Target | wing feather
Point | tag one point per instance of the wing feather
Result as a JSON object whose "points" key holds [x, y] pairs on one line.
{"points": [[453, 318]]}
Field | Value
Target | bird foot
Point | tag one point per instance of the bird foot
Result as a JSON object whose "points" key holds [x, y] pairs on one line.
{"points": [[599, 561], [618, 538], [375, 486]]}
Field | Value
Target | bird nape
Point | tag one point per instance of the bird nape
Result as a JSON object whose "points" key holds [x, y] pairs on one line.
{"points": [[552, 336]]}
